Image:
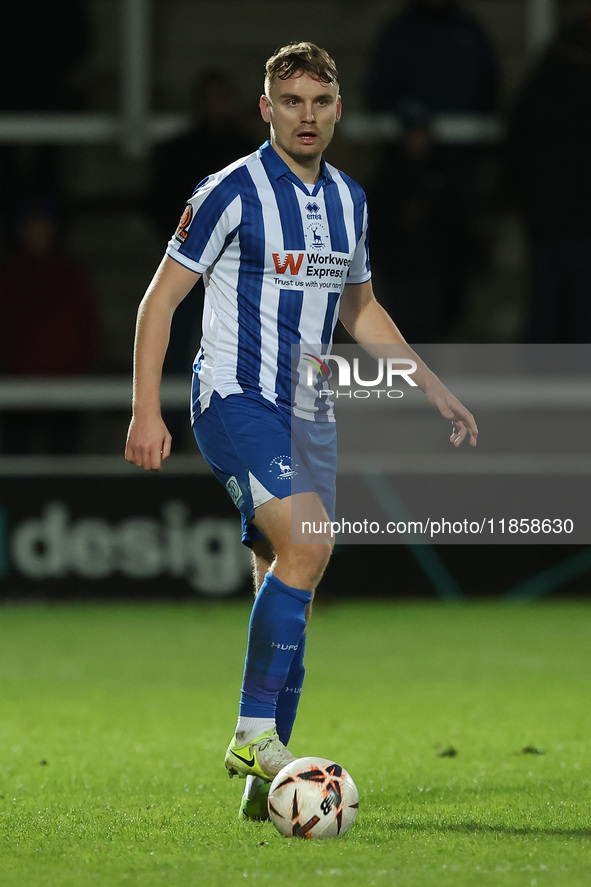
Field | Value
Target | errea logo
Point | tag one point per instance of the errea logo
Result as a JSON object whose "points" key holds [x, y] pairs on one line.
{"points": [[313, 210]]}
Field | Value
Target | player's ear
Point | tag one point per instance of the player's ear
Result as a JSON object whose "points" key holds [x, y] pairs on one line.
{"points": [[265, 106], [339, 109]]}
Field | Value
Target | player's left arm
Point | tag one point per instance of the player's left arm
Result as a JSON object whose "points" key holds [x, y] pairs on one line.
{"points": [[371, 326]]}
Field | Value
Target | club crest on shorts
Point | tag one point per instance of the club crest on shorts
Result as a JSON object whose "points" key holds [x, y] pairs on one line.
{"points": [[282, 469]]}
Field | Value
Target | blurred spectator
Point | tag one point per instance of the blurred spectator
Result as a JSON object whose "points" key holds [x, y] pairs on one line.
{"points": [[436, 55], [433, 58], [217, 137], [50, 327], [419, 233], [548, 177], [42, 50]]}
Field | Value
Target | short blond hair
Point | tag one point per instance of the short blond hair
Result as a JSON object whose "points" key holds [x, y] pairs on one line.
{"points": [[300, 58]]}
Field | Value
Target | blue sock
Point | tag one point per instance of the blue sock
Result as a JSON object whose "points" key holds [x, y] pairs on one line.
{"points": [[277, 623], [289, 697]]}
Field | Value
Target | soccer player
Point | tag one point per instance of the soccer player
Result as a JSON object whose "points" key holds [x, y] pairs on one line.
{"points": [[253, 231]]}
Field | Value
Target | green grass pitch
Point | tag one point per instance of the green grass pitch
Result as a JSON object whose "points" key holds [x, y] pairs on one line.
{"points": [[466, 727]]}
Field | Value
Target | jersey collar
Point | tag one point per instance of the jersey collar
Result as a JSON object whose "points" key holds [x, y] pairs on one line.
{"points": [[277, 168]]}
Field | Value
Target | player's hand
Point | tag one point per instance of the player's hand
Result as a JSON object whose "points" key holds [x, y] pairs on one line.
{"points": [[463, 423], [463, 426], [148, 442]]}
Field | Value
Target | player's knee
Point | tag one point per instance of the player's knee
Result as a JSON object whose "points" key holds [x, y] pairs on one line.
{"points": [[320, 554], [312, 560]]}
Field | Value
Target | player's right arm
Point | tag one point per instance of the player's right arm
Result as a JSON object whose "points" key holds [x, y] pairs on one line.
{"points": [[148, 439]]}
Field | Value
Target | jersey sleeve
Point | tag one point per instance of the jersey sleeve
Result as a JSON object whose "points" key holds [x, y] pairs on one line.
{"points": [[209, 219], [360, 268]]}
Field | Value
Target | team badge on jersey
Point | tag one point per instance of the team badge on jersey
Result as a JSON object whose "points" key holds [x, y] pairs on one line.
{"points": [[182, 232], [316, 230]]}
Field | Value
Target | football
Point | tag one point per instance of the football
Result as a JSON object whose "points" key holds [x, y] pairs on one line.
{"points": [[313, 798]]}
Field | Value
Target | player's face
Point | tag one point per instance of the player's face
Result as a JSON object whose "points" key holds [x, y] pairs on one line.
{"points": [[302, 112]]}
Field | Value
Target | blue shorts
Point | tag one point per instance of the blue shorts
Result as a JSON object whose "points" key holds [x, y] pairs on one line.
{"points": [[258, 452]]}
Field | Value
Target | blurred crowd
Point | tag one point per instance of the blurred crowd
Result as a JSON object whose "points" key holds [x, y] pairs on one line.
{"points": [[427, 196]]}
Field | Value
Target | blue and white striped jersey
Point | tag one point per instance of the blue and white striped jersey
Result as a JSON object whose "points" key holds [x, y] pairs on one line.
{"points": [[275, 255]]}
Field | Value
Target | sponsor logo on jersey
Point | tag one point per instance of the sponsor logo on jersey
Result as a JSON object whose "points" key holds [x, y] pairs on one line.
{"points": [[289, 262]]}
